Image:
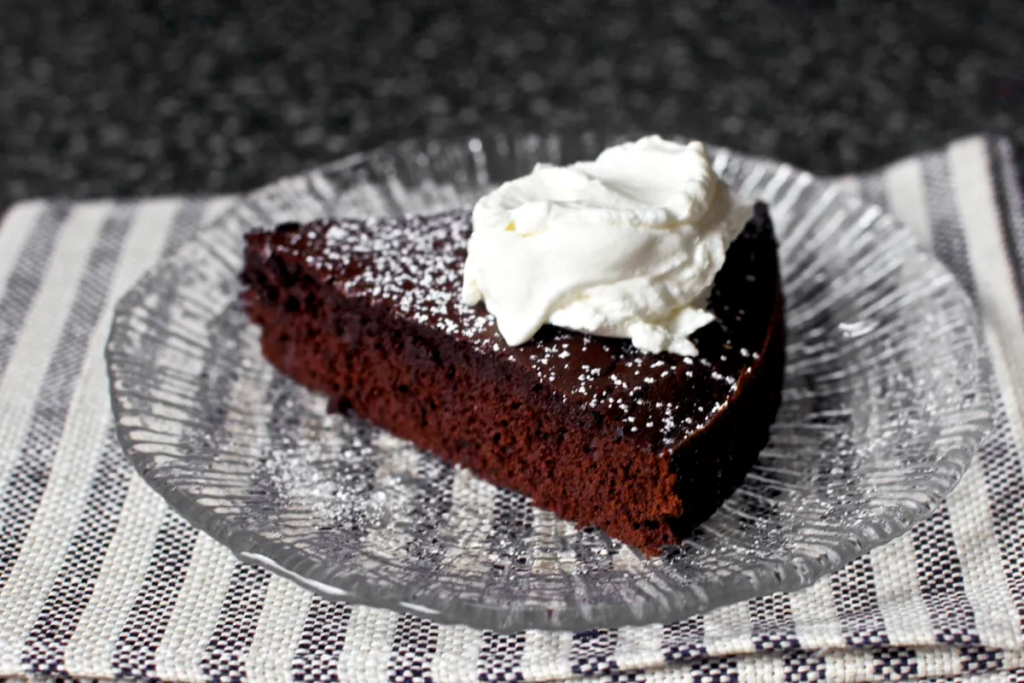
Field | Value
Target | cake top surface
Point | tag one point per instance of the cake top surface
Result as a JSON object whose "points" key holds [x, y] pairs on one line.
{"points": [[413, 267]]}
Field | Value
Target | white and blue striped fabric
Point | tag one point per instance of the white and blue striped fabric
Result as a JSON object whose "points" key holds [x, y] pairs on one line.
{"points": [[99, 579]]}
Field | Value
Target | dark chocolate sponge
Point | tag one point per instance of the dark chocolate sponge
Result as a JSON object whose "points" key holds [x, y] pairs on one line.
{"points": [[642, 446]]}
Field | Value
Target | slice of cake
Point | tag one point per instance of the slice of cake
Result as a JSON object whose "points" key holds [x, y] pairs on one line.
{"points": [[644, 445]]}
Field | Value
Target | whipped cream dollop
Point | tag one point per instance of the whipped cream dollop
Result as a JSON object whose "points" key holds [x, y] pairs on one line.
{"points": [[627, 246]]}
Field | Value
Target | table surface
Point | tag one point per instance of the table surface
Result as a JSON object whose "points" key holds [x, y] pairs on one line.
{"points": [[134, 97]]}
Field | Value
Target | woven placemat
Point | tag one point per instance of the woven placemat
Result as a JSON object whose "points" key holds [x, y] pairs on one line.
{"points": [[99, 579]]}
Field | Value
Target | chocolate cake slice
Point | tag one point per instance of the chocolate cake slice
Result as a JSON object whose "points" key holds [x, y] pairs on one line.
{"points": [[643, 446]]}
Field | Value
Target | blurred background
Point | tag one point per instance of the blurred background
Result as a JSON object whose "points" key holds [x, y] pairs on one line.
{"points": [[134, 97]]}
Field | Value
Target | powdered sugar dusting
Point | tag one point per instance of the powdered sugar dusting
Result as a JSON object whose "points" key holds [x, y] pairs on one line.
{"points": [[414, 266]]}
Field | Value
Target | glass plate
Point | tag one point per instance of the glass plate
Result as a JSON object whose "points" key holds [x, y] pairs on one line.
{"points": [[885, 401]]}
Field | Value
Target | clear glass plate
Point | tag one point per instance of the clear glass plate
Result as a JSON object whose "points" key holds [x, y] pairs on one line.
{"points": [[885, 401]]}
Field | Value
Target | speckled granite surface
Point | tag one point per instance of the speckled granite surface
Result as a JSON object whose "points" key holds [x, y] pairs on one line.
{"points": [[101, 97]]}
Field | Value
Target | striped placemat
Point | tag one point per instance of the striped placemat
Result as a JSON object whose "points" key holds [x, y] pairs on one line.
{"points": [[99, 579]]}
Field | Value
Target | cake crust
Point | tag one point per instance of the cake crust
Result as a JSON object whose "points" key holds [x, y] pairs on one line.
{"points": [[642, 446]]}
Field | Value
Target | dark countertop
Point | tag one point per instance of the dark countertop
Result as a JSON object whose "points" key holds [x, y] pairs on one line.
{"points": [[132, 97]]}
